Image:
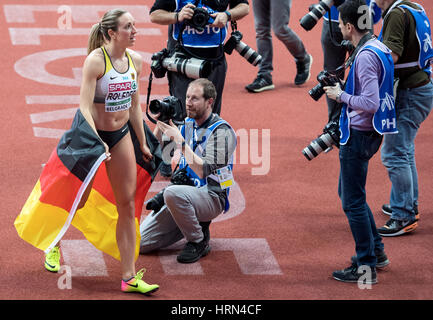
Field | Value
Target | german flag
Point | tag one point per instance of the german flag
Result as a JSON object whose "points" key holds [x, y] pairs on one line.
{"points": [[53, 204]]}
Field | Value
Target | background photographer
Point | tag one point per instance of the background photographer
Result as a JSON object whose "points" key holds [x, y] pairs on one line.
{"points": [[208, 144], [205, 45], [276, 14], [407, 32], [333, 53], [367, 113]]}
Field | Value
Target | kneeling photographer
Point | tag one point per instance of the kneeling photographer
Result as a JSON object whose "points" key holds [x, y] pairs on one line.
{"points": [[367, 113], [198, 28], [200, 188]]}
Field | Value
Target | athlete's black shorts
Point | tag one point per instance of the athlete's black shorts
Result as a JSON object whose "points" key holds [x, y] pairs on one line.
{"points": [[111, 138]]}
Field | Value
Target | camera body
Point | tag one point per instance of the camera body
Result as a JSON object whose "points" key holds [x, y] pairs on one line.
{"points": [[316, 11], [193, 68], [200, 18], [169, 108], [329, 137], [234, 42], [326, 79], [180, 177]]}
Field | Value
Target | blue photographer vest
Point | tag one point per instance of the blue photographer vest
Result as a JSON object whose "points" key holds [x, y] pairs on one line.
{"points": [[209, 37], [384, 119], [423, 34], [189, 133], [373, 8]]}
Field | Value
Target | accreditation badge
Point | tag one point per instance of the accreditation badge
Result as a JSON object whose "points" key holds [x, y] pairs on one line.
{"points": [[225, 177]]}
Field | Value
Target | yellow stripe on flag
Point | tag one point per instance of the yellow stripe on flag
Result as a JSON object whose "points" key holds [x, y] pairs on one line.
{"points": [[39, 223], [97, 220]]}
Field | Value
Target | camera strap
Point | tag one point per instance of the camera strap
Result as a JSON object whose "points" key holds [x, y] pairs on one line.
{"points": [[149, 89], [367, 37]]}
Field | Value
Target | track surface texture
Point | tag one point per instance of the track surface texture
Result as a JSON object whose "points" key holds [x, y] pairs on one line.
{"points": [[286, 232]]}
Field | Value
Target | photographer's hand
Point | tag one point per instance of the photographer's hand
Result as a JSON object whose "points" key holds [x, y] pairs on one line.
{"points": [[334, 92], [220, 19], [171, 131], [186, 13]]}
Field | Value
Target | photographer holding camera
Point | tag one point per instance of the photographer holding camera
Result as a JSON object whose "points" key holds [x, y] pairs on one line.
{"points": [[200, 188], [367, 113], [183, 16], [407, 32], [194, 35], [334, 52]]}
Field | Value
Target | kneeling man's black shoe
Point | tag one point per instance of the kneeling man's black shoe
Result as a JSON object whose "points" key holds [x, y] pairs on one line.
{"points": [[354, 273], [192, 251]]}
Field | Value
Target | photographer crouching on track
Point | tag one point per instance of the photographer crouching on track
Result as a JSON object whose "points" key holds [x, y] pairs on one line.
{"points": [[200, 188], [196, 34], [368, 112]]}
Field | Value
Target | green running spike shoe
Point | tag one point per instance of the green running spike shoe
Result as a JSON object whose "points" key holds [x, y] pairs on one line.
{"points": [[52, 260], [138, 285]]}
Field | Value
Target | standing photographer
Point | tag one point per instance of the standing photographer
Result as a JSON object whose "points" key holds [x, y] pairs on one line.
{"points": [[367, 113], [334, 54], [275, 15], [186, 208], [205, 45], [407, 32]]}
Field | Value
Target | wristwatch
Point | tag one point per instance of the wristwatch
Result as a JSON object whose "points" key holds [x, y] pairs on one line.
{"points": [[229, 15], [338, 98]]}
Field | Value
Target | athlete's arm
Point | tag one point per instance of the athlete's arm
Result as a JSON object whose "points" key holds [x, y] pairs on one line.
{"points": [[93, 67]]}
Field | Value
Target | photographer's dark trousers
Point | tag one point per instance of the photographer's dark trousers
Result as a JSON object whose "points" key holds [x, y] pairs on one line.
{"points": [[185, 207], [333, 57], [354, 158], [178, 83], [275, 14]]}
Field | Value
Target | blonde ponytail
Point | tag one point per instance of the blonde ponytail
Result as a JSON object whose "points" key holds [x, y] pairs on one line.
{"points": [[96, 38]]}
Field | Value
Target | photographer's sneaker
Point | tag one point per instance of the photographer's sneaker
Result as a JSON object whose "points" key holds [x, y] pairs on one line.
{"points": [[303, 70], [135, 284], [192, 251], [354, 273], [260, 84], [52, 260], [394, 227], [386, 209], [381, 259]]}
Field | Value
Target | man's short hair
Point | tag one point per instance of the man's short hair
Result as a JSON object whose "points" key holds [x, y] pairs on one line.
{"points": [[350, 12], [209, 90]]}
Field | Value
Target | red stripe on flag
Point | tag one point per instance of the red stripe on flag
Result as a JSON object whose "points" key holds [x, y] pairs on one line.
{"points": [[144, 180], [103, 185], [58, 185]]}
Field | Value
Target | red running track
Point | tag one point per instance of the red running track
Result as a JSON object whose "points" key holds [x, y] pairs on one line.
{"points": [[289, 232]]}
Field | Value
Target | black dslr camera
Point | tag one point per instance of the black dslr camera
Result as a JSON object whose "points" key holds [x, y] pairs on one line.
{"points": [[200, 18], [326, 79], [234, 42], [180, 177], [329, 137], [169, 108]]}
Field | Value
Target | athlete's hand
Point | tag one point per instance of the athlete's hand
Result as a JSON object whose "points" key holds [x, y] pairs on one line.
{"points": [[147, 156], [107, 152]]}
